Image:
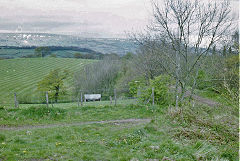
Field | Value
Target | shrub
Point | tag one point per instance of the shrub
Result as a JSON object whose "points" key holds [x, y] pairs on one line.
{"points": [[201, 80], [160, 84], [78, 55], [53, 55], [134, 86], [2, 137]]}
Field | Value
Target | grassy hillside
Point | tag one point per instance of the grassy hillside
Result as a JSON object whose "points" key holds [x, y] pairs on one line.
{"points": [[17, 53], [22, 75], [188, 133]]}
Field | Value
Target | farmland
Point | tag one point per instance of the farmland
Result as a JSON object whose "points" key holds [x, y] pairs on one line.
{"points": [[17, 53], [22, 75], [84, 81]]}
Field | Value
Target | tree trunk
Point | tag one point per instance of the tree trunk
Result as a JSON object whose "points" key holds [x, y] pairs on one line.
{"points": [[176, 93], [177, 77], [56, 94], [193, 86], [183, 92]]}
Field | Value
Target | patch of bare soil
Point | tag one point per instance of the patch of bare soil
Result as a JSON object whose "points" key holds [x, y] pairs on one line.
{"points": [[202, 100]]}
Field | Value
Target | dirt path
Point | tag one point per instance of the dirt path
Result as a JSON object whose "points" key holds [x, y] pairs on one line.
{"points": [[197, 98], [205, 101], [117, 122], [202, 100]]}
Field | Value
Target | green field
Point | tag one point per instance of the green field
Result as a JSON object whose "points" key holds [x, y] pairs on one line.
{"points": [[22, 75], [15, 53], [18, 53], [200, 133], [92, 103]]}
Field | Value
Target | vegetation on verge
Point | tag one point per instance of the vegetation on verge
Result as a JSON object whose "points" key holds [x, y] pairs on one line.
{"points": [[200, 133]]}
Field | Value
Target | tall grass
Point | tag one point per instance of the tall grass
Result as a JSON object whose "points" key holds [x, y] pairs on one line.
{"points": [[216, 126]]}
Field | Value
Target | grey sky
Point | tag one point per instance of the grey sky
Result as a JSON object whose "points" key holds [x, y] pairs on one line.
{"points": [[91, 18]]}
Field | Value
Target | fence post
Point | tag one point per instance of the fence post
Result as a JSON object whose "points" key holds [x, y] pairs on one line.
{"points": [[15, 100], [115, 96], [81, 99], [47, 99], [78, 100], [111, 100], [152, 95], [138, 94], [51, 102]]}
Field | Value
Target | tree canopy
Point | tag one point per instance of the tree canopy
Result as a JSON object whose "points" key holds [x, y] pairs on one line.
{"points": [[54, 83]]}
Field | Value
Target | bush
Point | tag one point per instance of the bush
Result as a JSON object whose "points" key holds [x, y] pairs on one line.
{"points": [[78, 55], [53, 55], [201, 80], [2, 137], [31, 99], [42, 51], [160, 84], [134, 86]]}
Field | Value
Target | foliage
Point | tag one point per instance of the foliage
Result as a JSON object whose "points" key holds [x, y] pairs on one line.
{"points": [[78, 55], [148, 61], [98, 77], [28, 99], [161, 86], [135, 86], [229, 76], [53, 55], [231, 82], [165, 41], [42, 51], [211, 126], [22, 75], [94, 55], [87, 56], [201, 79], [126, 74], [2, 137], [128, 56], [235, 42], [54, 83]]}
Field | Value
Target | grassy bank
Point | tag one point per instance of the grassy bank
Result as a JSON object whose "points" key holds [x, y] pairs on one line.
{"points": [[199, 133], [40, 115]]}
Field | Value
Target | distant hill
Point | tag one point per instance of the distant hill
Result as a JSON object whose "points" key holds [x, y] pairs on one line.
{"points": [[22, 75], [101, 45], [9, 52]]}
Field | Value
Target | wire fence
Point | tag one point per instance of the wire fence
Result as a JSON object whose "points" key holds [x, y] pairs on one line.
{"points": [[88, 97]]}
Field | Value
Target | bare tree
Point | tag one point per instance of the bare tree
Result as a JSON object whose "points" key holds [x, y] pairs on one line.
{"points": [[190, 29], [147, 61], [98, 76]]}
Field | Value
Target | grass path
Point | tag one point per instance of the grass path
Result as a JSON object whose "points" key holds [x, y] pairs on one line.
{"points": [[199, 99], [134, 121], [202, 100]]}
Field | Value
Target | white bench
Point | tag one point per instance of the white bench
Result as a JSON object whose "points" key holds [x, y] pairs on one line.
{"points": [[92, 97]]}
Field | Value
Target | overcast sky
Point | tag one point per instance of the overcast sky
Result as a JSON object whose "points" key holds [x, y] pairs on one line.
{"points": [[91, 18]]}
